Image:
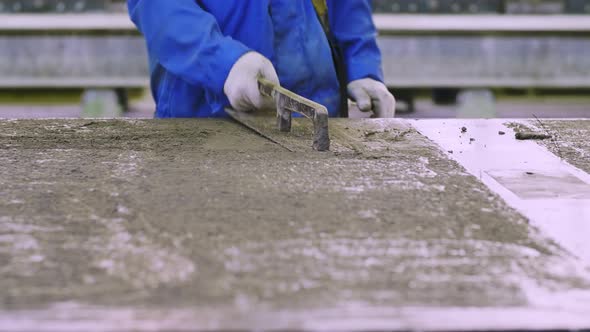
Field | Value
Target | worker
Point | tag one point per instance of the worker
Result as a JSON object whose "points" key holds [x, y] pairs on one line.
{"points": [[205, 55]]}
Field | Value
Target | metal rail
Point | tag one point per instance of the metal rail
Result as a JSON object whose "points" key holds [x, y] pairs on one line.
{"points": [[65, 22], [418, 50], [481, 23], [384, 22]]}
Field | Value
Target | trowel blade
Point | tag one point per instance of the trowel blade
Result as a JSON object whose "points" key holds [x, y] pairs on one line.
{"points": [[261, 122]]}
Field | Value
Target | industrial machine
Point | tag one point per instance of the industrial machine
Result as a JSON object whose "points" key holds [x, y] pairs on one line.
{"points": [[453, 45], [483, 6], [95, 48], [61, 6]]}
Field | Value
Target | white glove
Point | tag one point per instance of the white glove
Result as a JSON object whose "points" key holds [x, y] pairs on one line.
{"points": [[372, 95], [241, 85]]}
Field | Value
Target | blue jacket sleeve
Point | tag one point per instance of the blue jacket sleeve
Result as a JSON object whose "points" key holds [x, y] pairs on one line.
{"points": [[186, 40], [351, 22]]}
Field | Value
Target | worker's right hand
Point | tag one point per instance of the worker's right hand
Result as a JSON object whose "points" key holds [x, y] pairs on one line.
{"points": [[241, 85]]}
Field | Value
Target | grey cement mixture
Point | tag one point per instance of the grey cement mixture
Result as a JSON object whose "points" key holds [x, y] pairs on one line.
{"points": [[205, 217], [570, 140]]}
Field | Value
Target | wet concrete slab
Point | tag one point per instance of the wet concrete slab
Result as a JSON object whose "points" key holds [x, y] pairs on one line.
{"points": [[201, 224], [549, 191]]}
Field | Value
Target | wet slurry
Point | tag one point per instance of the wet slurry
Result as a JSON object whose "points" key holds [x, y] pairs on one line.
{"points": [[189, 222]]}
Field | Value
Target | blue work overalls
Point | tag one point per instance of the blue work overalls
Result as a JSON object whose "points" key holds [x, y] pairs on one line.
{"points": [[192, 45]]}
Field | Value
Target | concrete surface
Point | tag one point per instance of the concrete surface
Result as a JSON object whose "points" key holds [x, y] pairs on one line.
{"points": [[148, 225], [552, 193], [570, 140]]}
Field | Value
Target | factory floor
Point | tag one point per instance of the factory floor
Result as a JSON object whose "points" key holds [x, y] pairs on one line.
{"points": [[144, 225]]}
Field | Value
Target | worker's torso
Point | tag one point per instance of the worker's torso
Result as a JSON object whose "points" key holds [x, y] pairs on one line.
{"points": [[288, 32]]}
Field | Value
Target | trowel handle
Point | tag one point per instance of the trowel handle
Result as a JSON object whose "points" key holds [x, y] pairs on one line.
{"points": [[266, 87], [287, 102], [272, 90]]}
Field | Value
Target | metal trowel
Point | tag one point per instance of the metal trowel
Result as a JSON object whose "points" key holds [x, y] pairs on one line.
{"points": [[286, 103]]}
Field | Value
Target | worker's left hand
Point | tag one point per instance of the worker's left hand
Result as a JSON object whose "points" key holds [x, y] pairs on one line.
{"points": [[372, 95]]}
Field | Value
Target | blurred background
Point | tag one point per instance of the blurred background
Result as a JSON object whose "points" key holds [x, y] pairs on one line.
{"points": [[441, 58]]}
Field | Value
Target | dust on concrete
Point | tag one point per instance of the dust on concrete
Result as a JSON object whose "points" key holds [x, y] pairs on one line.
{"points": [[206, 214], [569, 140]]}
